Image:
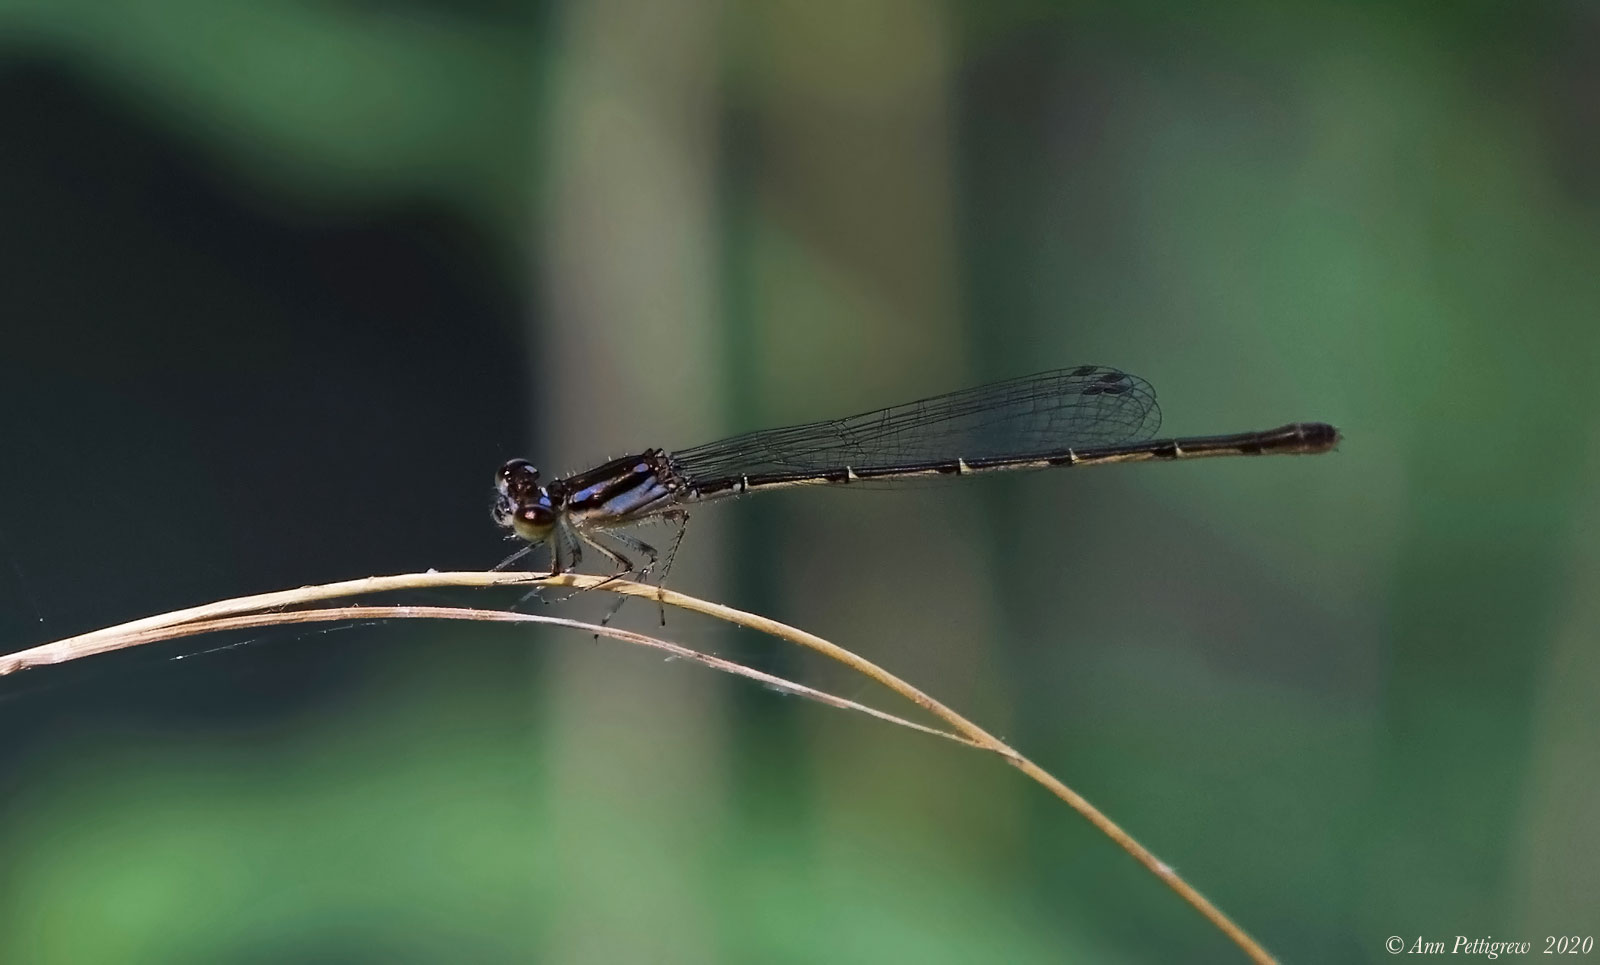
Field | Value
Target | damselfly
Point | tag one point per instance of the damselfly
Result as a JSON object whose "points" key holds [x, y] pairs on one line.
{"points": [[1083, 416]]}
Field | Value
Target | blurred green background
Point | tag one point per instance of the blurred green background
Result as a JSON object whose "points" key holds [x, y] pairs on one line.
{"points": [[283, 283]]}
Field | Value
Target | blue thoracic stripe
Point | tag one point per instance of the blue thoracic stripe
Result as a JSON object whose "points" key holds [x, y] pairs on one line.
{"points": [[593, 491], [648, 490]]}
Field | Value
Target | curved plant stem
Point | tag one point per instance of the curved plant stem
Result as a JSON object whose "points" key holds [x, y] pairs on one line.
{"points": [[961, 725], [248, 621], [268, 608]]}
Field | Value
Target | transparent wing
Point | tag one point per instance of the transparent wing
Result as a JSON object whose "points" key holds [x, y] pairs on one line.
{"points": [[1075, 408]]}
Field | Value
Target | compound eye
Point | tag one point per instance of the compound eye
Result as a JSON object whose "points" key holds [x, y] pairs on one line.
{"points": [[517, 478], [534, 521]]}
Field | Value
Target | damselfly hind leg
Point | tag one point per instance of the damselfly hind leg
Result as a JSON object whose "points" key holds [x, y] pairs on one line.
{"points": [[651, 558], [682, 519]]}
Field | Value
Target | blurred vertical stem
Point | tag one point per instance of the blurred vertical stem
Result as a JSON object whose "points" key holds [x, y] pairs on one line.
{"points": [[628, 297]]}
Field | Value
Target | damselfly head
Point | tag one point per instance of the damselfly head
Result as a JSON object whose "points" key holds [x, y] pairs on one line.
{"points": [[520, 503]]}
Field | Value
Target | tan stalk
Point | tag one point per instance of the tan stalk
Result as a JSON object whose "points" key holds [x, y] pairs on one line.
{"points": [[232, 614]]}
